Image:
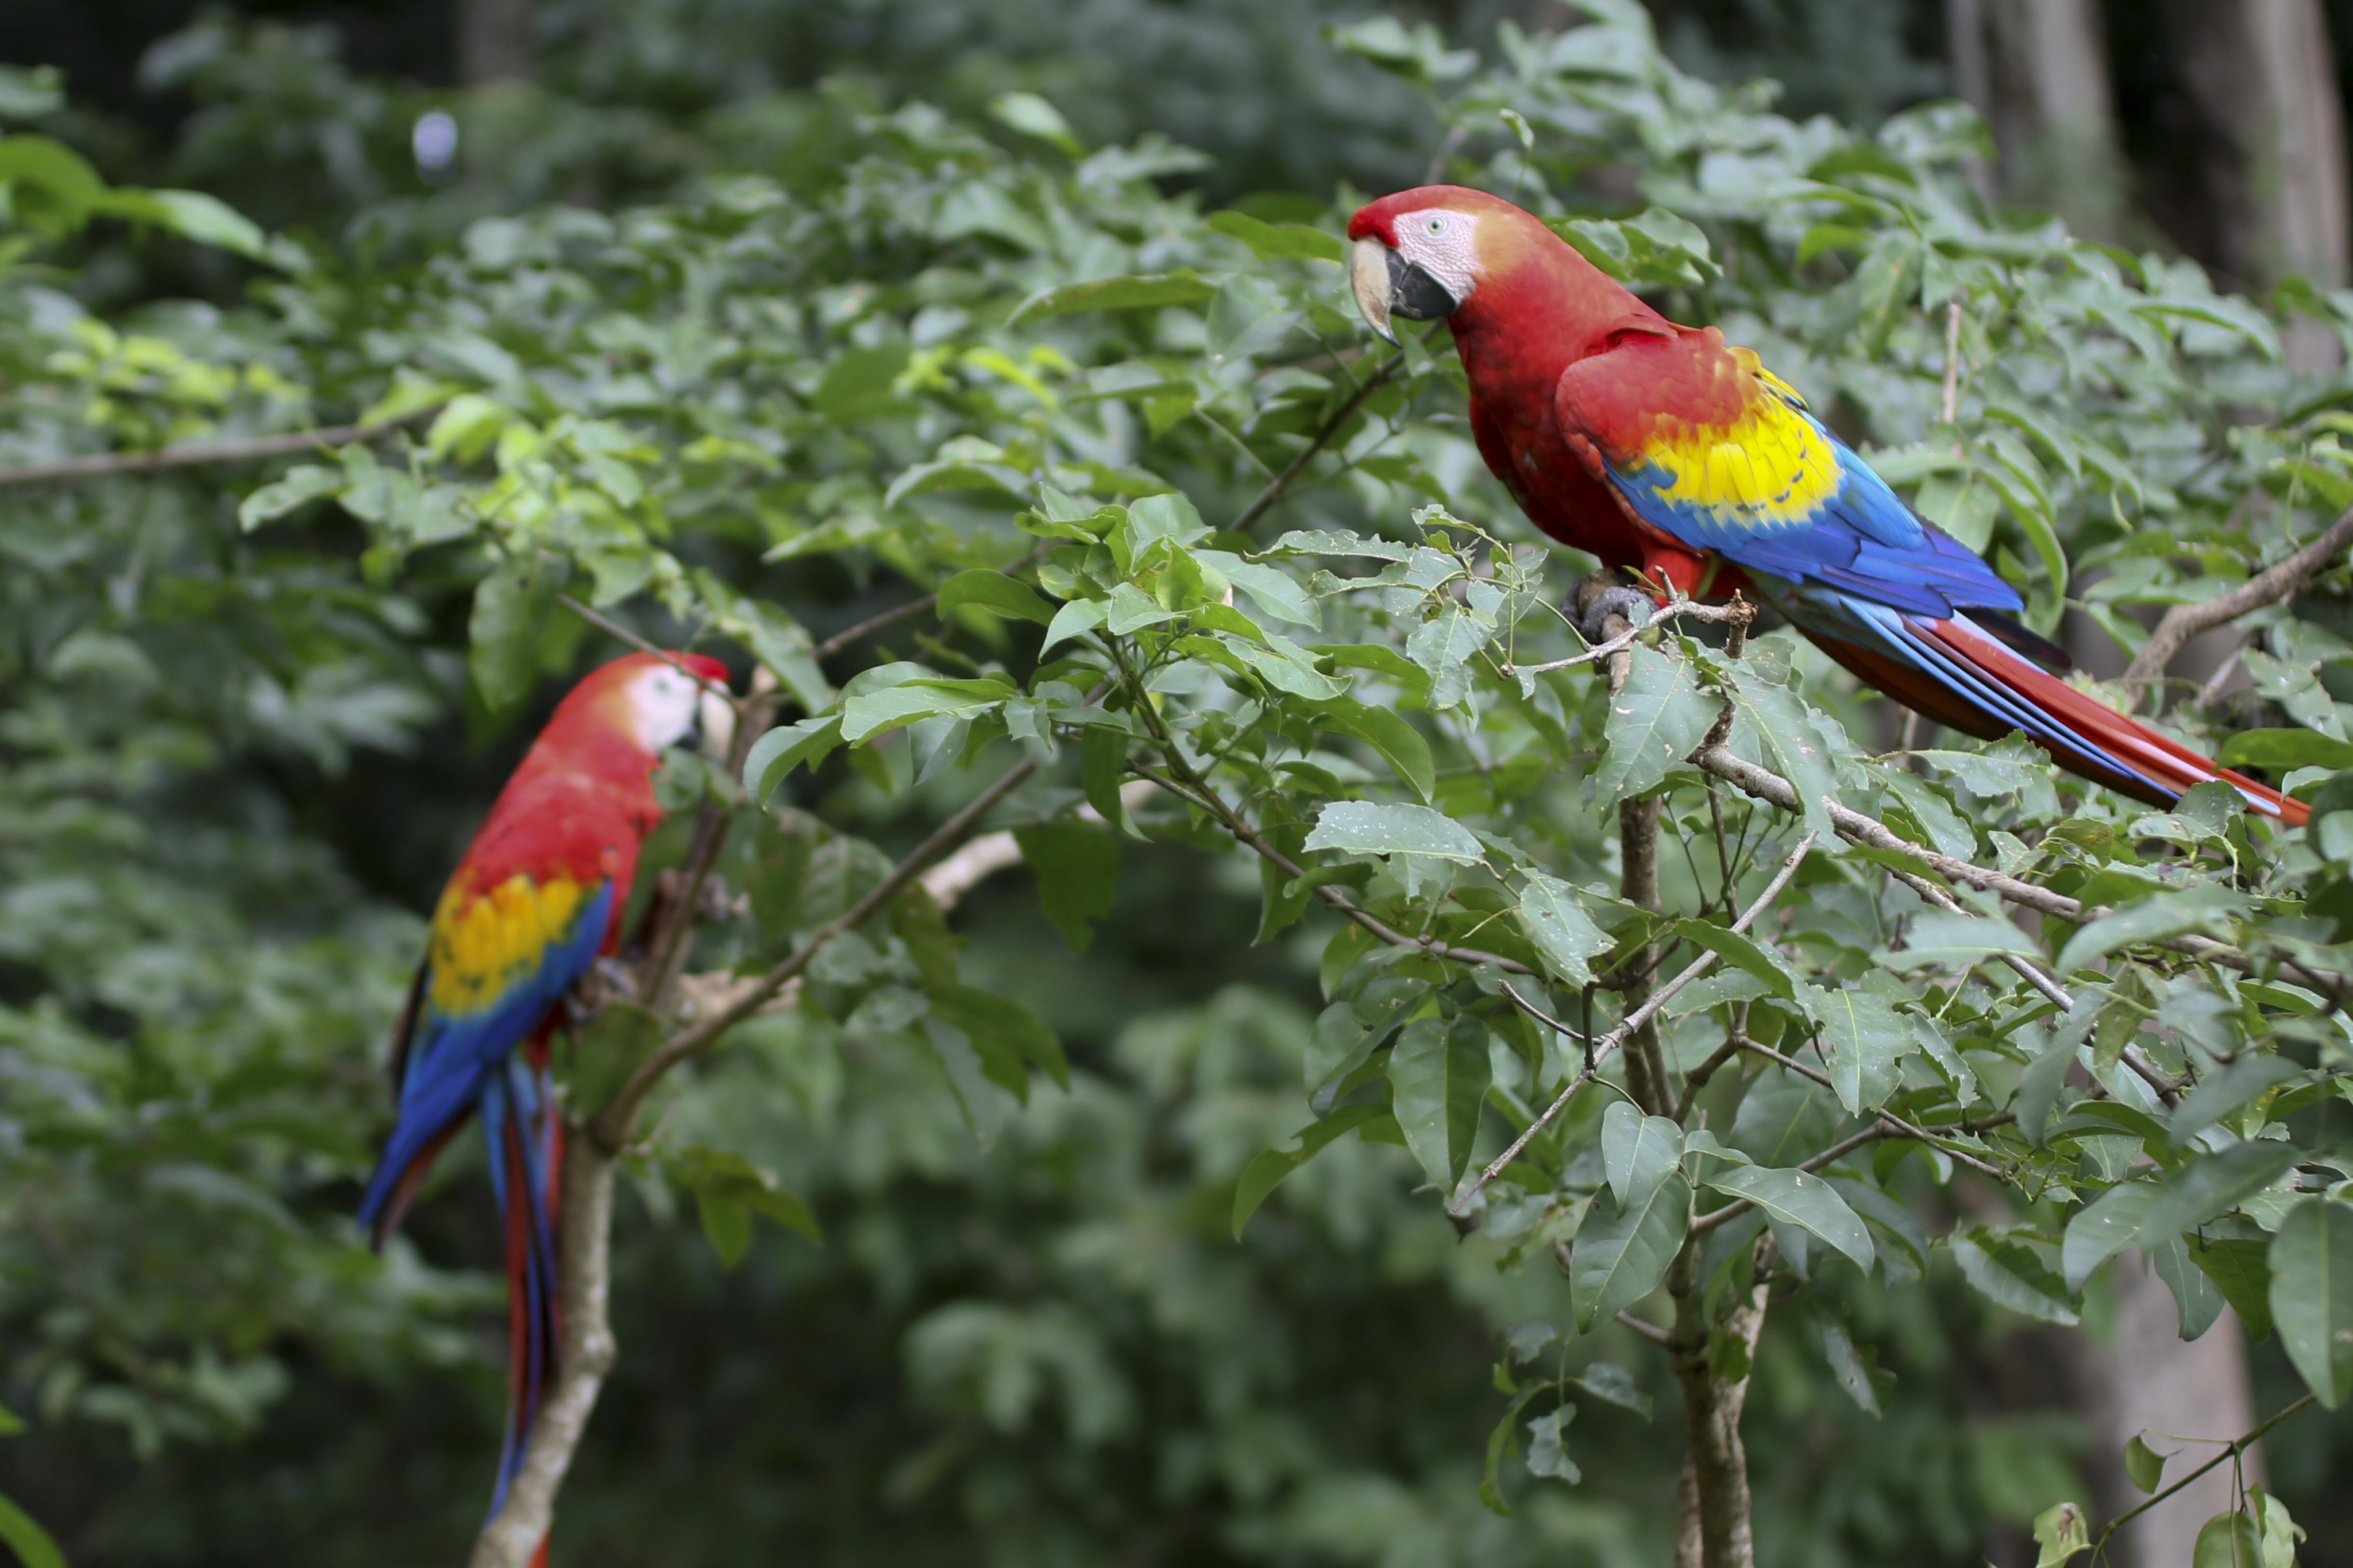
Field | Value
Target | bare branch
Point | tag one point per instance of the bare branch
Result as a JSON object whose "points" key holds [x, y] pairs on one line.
{"points": [[1276, 486], [916, 606], [615, 629], [2282, 580], [1634, 1021], [583, 1356], [1737, 610], [1648, 1330], [2230, 1450], [253, 449]]}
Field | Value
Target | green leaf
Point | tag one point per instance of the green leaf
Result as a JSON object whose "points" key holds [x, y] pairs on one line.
{"points": [[2103, 1228], [2008, 1274], [2312, 1295], [1280, 241], [1656, 720], [995, 592], [1077, 868], [2203, 911], [1267, 1170], [1007, 1037], [1412, 835], [512, 606], [1148, 292], [1864, 1036], [868, 712], [1437, 1081], [191, 215], [1742, 951], [2197, 1300], [2144, 1464], [1546, 1456], [2239, 1268], [2061, 1531], [1794, 743], [2213, 1183], [1846, 1363], [300, 486], [1638, 1152], [2228, 1541], [1955, 939], [2285, 748], [1554, 919], [1033, 116], [2228, 1092], [1102, 768], [728, 1190], [1809, 1202], [33, 1545], [784, 748], [1389, 734], [1621, 1254]]}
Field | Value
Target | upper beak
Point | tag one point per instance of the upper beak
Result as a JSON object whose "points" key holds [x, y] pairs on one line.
{"points": [[1385, 284], [715, 720], [1368, 279]]}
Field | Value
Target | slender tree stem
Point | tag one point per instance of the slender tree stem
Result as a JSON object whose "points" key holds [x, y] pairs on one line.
{"points": [[254, 450], [2282, 580], [1277, 486], [2230, 1450]]}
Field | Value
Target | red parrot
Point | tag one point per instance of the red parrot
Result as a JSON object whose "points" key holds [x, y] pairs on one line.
{"points": [[1666, 452], [537, 896]]}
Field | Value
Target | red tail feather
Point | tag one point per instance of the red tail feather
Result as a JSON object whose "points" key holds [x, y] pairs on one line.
{"points": [[2172, 766]]}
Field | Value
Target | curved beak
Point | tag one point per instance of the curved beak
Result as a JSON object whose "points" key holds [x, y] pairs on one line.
{"points": [[714, 725], [1385, 284]]}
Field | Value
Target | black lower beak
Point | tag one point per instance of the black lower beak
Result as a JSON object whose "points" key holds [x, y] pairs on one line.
{"points": [[1415, 294]]}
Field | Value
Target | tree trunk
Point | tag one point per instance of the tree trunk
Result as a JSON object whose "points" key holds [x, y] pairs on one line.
{"points": [[494, 41], [2145, 1379], [2260, 75], [1713, 1516], [2038, 71]]}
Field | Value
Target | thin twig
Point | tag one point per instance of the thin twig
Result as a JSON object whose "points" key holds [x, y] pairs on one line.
{"points": [[613, 628], [2230, 1450], [1738, 611], [252, 449], [1896, 1125], [1276, 486], [1539, 1015], [916, 606], [1648, 1330], [1197, 793], [2281, 581], [1634, 1021], [1771, 788], [611, 1127]]}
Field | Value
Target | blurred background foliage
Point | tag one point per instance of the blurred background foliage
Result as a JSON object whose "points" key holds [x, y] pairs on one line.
{"points": [[237, 765]]}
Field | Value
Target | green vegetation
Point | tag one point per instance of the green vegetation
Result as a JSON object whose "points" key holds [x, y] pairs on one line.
{"points": [[1154, 1182]]}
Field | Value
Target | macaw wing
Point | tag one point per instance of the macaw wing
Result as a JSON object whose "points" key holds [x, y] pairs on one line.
{"points": [[1706, 448], [500, 957]]}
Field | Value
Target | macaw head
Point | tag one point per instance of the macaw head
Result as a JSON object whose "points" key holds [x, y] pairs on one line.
{"points": [[1421, 253], [656, 702]]}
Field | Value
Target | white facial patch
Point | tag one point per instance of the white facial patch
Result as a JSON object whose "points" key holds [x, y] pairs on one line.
{"points": [[1444, 245], [663, 701]]}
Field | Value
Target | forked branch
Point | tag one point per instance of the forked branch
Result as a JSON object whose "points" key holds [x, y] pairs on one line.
{"points": [[2282, 580]]}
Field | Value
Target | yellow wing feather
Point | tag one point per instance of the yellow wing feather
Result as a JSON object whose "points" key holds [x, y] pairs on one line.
{"points": [[485, 941]]}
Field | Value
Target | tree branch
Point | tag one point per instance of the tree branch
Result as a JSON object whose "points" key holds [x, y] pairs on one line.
{"points": [[2230, 1450], [1276, 486], [916, 606], [1634, 1021], [2282, 580], [252, 449], [613, 1123]]}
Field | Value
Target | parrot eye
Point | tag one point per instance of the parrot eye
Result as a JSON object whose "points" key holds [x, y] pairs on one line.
{"points": [[1437, 224]]}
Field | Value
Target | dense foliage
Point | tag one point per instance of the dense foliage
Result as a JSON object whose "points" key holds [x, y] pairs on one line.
{"points": [[1184, 527]]}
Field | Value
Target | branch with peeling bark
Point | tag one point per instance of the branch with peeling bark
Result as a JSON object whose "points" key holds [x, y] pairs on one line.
{"points": [[294, 443], [2282, 580], [586, 1352]]}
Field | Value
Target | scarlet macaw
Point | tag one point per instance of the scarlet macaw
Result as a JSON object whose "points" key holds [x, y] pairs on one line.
{"points": [[1666, 451], [537, 896]]}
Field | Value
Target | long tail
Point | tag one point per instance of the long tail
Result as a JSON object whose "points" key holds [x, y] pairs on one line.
{"points": [[1963, 677], [526, 1139]]}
